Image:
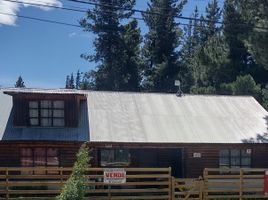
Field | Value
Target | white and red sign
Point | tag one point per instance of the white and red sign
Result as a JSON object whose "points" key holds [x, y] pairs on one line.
{"points": [[266, 183], [114, 175]]}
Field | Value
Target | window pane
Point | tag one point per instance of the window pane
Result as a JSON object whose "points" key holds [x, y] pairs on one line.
{"points": [[33, 104], [46, 113], [39, 152], [58, 113], [58, 122], [34, 121], [235, 153], [33, 113], [52, 152], [246, 162], [235, 161], [26, 161], [26, 152], [116, 157], [45, 104], [52, 161], [58, 104], [46, 122]]}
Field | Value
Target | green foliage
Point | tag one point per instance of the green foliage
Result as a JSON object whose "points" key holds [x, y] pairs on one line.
{"points": [[20, 83], [203, 90], [74, 188], [78, 80], [255, 14], [69, 83], [160, 45], [245, 85], [116, 45]]}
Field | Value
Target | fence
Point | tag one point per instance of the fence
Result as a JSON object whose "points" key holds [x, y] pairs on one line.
{"points": [[141, 183], [234, 184], [46, 183]]}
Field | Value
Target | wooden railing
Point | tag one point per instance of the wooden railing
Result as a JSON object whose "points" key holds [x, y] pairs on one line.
{"points": [[46, 183], [234, 184], [141, 183], [187, 189]]}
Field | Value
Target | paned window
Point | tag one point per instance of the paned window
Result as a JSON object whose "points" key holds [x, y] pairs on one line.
{"points": [[39, 157], [235, 158], [115, 157], [46, 113]]}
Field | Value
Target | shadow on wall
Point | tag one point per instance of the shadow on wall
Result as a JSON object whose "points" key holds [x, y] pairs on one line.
{"points": [[260, 138]]}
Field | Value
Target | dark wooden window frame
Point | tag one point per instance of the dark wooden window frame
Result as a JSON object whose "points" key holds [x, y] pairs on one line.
{"points": [[32, 157], [229, 157], [39, 109], [113, 150]]}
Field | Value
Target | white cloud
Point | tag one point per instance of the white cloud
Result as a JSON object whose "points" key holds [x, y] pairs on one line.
{"points": [[73, 34], [13, 8]]}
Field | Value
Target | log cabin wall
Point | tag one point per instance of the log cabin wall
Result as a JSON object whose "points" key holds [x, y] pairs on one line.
{"points": [[192, 166]]}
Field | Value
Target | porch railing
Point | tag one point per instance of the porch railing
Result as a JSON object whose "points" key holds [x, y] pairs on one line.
{"points": [[141, 183], [46, 183]]}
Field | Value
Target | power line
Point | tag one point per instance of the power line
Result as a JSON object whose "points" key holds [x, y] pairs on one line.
{"points": [[139, 11], [97, 4], [63, 8], [40, 19]]}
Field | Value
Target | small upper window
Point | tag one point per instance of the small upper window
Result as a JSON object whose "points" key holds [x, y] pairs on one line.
{"points": [[46, 113]]}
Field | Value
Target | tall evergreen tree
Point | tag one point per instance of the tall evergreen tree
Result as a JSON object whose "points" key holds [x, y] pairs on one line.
{"points": [[255, 14], [78, 80], [104, 21], [67, 82], [72, 86], [233, 29], [20, 83], [161, 43], [213, 15]]}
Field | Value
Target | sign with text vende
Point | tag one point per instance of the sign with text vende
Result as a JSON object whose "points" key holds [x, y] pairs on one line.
{"points": [[266, 183], [114, 175]]}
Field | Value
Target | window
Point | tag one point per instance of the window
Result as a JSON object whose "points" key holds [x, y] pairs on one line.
{"points": [[235, 158], [38, 157], [115, 157], [46, 113]]}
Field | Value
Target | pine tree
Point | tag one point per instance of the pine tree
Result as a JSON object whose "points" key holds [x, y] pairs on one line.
{"points": [[104, 21], [72, 86], [233, 29], [213, 15], [255, 14], [20, 83], [67, 82], [78, 80], [161, 43]]}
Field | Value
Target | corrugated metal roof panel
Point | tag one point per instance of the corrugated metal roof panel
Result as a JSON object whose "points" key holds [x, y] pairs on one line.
{"points": [[166, 118]]}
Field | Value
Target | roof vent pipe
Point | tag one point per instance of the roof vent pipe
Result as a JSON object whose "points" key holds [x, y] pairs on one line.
{"points": [[179, 93]]}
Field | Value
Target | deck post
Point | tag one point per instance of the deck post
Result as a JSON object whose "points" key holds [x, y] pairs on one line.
{"points": [[7, 188], [241, 184], [201, 187]]}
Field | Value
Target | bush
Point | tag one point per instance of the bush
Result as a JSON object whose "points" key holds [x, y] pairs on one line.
{"points": [[75, 188]]}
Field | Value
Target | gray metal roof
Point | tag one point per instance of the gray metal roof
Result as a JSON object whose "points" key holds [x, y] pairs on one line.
{"points": [[148, 118], [42, 91], [166, 118], [9, 132]]}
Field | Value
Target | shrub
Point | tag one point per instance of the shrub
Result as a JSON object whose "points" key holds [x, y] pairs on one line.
{"points": [[75, 188]]}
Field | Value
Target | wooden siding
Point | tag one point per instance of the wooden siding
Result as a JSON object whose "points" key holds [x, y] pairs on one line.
{"points": [[192, 167]]}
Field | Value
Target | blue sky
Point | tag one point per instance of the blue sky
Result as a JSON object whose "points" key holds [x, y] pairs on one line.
{"points": [[42, 53]]}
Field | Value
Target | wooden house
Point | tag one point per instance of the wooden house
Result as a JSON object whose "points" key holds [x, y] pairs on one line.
{"points": [[42, 127]]}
